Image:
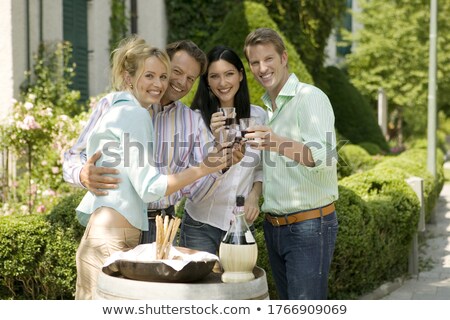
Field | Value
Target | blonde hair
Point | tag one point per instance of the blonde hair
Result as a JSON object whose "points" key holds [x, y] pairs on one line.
{"points": [[130, 57], [264, 36]]}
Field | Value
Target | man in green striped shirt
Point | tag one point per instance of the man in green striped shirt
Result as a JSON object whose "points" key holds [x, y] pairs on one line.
{"points": [[300, 176]]}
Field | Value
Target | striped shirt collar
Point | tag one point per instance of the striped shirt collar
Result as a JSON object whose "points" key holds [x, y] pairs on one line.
{"points": [[288, 91], [156, 108]]}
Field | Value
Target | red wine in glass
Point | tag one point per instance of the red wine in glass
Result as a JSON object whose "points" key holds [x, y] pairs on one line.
{"points": [[244, 132], [229, 121]]}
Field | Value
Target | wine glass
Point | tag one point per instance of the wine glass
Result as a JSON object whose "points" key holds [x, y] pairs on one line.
{"points": [[230, 114], [245, 123], [228, 134], [230, 137]]}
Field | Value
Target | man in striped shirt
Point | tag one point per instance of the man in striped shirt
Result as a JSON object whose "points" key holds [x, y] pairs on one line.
{"points": [[299, 168], [182, 139]]}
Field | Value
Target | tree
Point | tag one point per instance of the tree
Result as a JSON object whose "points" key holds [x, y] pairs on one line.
{"points": [[392, 52], [308, 25], [196, 20]]}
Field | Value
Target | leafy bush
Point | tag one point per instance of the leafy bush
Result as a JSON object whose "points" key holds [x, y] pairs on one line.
{"points": [[37, 252], [353, 159], [308, 25], [196, 14], [378, 214], [37, 261], [63, 215], [371, 148], [412, 163], [354, 246]]}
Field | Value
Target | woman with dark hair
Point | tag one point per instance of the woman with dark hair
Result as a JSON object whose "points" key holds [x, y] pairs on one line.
{"points": [[205, 221], [209, 98]]}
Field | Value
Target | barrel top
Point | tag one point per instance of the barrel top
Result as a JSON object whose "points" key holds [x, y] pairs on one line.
{"points": [[209, 288]]}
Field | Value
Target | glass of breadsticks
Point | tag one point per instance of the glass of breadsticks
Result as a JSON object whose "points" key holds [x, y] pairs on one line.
{"points": [[165, 234]]}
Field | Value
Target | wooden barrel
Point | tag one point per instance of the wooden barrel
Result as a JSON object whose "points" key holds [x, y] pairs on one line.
{"points": [[210, 288]]}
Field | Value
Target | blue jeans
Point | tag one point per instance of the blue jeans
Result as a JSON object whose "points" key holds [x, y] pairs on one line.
{"points": [[199, 236], [300, 256]]}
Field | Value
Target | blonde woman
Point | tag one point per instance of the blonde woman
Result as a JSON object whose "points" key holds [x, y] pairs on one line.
{"points": [[124, 135]]}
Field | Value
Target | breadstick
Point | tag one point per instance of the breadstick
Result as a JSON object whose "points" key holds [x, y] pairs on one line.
{"points": [[166, 239], [175, 227], [159, 234], [166, 224], [173, 233]]}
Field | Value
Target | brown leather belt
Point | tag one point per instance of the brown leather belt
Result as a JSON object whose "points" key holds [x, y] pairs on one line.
{"points": [[291, 218]]}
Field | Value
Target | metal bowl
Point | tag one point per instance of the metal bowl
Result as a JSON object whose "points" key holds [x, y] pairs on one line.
{"points": [[157, 271]]}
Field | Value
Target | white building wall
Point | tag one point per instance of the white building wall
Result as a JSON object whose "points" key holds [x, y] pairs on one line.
{"points": [[331, 55], [13, 42], [152, 26], [7, 63], [53, 20], [99, 12]]}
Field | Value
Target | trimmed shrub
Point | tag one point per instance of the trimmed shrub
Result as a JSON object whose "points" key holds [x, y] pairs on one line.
{"points": [[353, 159], [412, 163], [422, 143], [355, 118], [63, 215], [37, 261], [348, 274], [384, 210], [371, 148]]}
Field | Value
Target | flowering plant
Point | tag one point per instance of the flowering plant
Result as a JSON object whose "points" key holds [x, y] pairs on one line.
{"points": [[38, 129]]}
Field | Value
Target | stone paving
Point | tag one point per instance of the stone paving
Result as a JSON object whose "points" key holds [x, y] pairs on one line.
{"points": [[433, 283]]}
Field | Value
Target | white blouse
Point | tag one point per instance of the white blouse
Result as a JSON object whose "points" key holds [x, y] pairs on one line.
{"points": [[216, 208]]}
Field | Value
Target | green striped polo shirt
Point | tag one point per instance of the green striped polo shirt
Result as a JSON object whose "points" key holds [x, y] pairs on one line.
{"points": [[303, 114]]}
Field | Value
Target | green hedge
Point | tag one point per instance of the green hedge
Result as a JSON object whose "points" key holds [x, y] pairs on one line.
{"points": [[378, 214], [354, 159], [412, 163], [37, 253], [36, 260], [371, 148]]}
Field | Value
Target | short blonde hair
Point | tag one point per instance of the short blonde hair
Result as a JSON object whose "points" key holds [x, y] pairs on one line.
{"points": [[264, 36], [130, 57]]}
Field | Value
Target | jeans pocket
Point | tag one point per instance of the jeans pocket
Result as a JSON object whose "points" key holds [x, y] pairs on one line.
{"points": [[189, 221], [306, 228]]}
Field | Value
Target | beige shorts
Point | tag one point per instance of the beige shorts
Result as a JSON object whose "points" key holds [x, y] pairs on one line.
{"points": [[103, 236]]}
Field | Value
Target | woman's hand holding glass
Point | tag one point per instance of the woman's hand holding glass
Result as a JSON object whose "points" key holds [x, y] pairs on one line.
{"points": [[217, 124]]}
